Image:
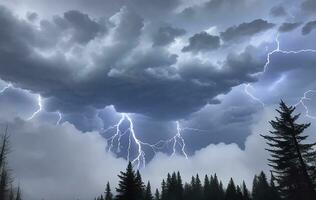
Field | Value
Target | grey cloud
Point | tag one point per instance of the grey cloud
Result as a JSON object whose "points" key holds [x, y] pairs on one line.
{"points": [[202, 42], [32, 16], [287, 27], [121, 73], [166, 35], [278, 11], [309, 27], [309, 6], [84, 27], [246, 29], [154, 9]]}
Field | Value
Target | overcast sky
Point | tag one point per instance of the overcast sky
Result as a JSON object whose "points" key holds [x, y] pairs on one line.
{"points": [[193, 82]]}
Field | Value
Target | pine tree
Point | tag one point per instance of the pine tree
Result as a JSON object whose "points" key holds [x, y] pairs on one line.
{"points": [[291, 158], [245, 192], [179, 187], [206, 188], [129, 185], [197, 188], [239, 195], [273, 190], [231, 192], [108, 193], [140, 184], [4, 175], [148, 195], [157, 195], [261, 188], [163, 190]]}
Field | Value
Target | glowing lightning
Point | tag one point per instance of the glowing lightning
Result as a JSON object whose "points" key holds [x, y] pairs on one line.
{"points": [[5, 88], [140, 160], [179, 139], [59, 118], [301, 101], [39, 101], [278, 50]]}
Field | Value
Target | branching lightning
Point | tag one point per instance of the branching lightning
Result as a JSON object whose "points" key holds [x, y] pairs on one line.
{"points": [[278, 50], [140, 160], [306, 98], [39, 103]]}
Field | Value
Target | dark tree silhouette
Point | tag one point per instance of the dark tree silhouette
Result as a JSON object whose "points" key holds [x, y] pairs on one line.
{"points": [[231, 192], [148, 195], [108, 193], [291, 158], [129, 185], [157, 195]]}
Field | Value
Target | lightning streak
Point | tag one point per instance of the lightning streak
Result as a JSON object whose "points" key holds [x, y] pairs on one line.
{"points": [[40, 106], [306, 98], [5, 88], [140, 160], [278, 50]]}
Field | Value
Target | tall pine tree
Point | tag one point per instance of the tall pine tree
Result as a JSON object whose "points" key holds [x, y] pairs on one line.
{"points": [[291, 158], [129, 185], [108, 193]]}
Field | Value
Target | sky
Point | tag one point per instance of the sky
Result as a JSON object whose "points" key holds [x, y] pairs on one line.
{"points": [[86, 86]]}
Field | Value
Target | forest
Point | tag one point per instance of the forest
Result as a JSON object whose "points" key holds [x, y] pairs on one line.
{"points": [[292, 176]]}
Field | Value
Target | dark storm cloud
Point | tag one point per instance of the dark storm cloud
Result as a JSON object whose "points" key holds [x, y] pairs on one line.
{"points": [[278, 11], [202, 42], [309, 6], [32, 16], [166, 35], [287, 27], [246, 29], [83, 27], [309, 27], [122, 74], [154, 9]]}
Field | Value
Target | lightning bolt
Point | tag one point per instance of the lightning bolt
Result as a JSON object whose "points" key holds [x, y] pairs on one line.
{"points": [[306, 98], [278, 50], [39, 103], [5, 88], [59, 118], [140, 160], [179, 139]]}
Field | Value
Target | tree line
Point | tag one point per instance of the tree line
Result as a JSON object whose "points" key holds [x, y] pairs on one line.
{"points": [[131, 187], [293, 172]]}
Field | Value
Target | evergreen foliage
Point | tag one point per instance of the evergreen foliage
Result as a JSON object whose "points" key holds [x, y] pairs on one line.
{"points": [[292, 159]]}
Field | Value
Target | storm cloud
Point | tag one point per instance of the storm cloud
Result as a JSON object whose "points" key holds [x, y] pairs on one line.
{"points": [[246, 29], [202, 42]]}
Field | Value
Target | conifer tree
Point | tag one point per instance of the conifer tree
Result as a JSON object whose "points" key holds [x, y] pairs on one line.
{"points": [[245, 192], [197, 188], [129, 185], [4, 175], [179, 187], [239, 195], [206, 188], [157, 195], [108, 193], [261, 188], [291, 158], [148, 195], [163, 190], [231, 192]]}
